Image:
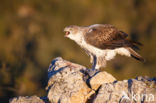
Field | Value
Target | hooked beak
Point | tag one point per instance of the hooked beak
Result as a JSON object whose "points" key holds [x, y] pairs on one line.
{"points": [[67, 33]]}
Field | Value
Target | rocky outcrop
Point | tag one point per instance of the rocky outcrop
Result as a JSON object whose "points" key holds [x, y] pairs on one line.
{"points": [[127, 91], [66, 84], [72, 83], [26, 99]]}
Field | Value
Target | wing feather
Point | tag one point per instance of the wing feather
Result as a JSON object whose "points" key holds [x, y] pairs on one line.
{"points": [[107, 37]]}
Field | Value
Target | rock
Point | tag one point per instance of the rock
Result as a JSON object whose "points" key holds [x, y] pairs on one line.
{"points": [[127, 91], [66, 83], [26, 99], [100, 78], [72, 83]]}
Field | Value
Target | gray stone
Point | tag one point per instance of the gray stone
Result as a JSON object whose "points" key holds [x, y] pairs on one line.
{"points": [[127, 91], [100, 78], [66, 83], [26, 99]]}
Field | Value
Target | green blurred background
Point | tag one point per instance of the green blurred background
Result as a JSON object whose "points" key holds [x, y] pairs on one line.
{"points": [[31, 35]]}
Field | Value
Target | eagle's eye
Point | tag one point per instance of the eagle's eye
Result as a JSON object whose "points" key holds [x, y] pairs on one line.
{"points": [[92, 30]]}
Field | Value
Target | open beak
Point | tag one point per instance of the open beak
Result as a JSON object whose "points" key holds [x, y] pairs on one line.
{"points": [[67, 33]]}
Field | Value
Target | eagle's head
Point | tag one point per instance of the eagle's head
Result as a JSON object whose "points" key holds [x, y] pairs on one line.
{"points": [[74, 32]]}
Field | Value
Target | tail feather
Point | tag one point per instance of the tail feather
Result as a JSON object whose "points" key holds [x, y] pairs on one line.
{"points": [[135, 43], [135, 55]]}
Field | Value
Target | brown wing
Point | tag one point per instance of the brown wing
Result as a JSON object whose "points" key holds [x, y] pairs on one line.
{"points": [[107, 37]]}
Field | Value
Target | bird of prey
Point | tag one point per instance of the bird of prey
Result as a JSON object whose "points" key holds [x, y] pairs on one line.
{"points": [[102, 42]]}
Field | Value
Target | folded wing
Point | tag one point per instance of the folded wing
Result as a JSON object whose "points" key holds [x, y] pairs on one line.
{"points": [[108, 37]]}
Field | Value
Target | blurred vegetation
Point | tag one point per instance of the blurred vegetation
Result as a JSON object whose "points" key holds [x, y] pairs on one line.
{"points": [[31, 35]]}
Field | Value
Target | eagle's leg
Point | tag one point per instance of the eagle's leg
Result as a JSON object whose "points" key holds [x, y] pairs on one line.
{"points": [[94, 62], [99, 62], [95, 66], [94, 69]]}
